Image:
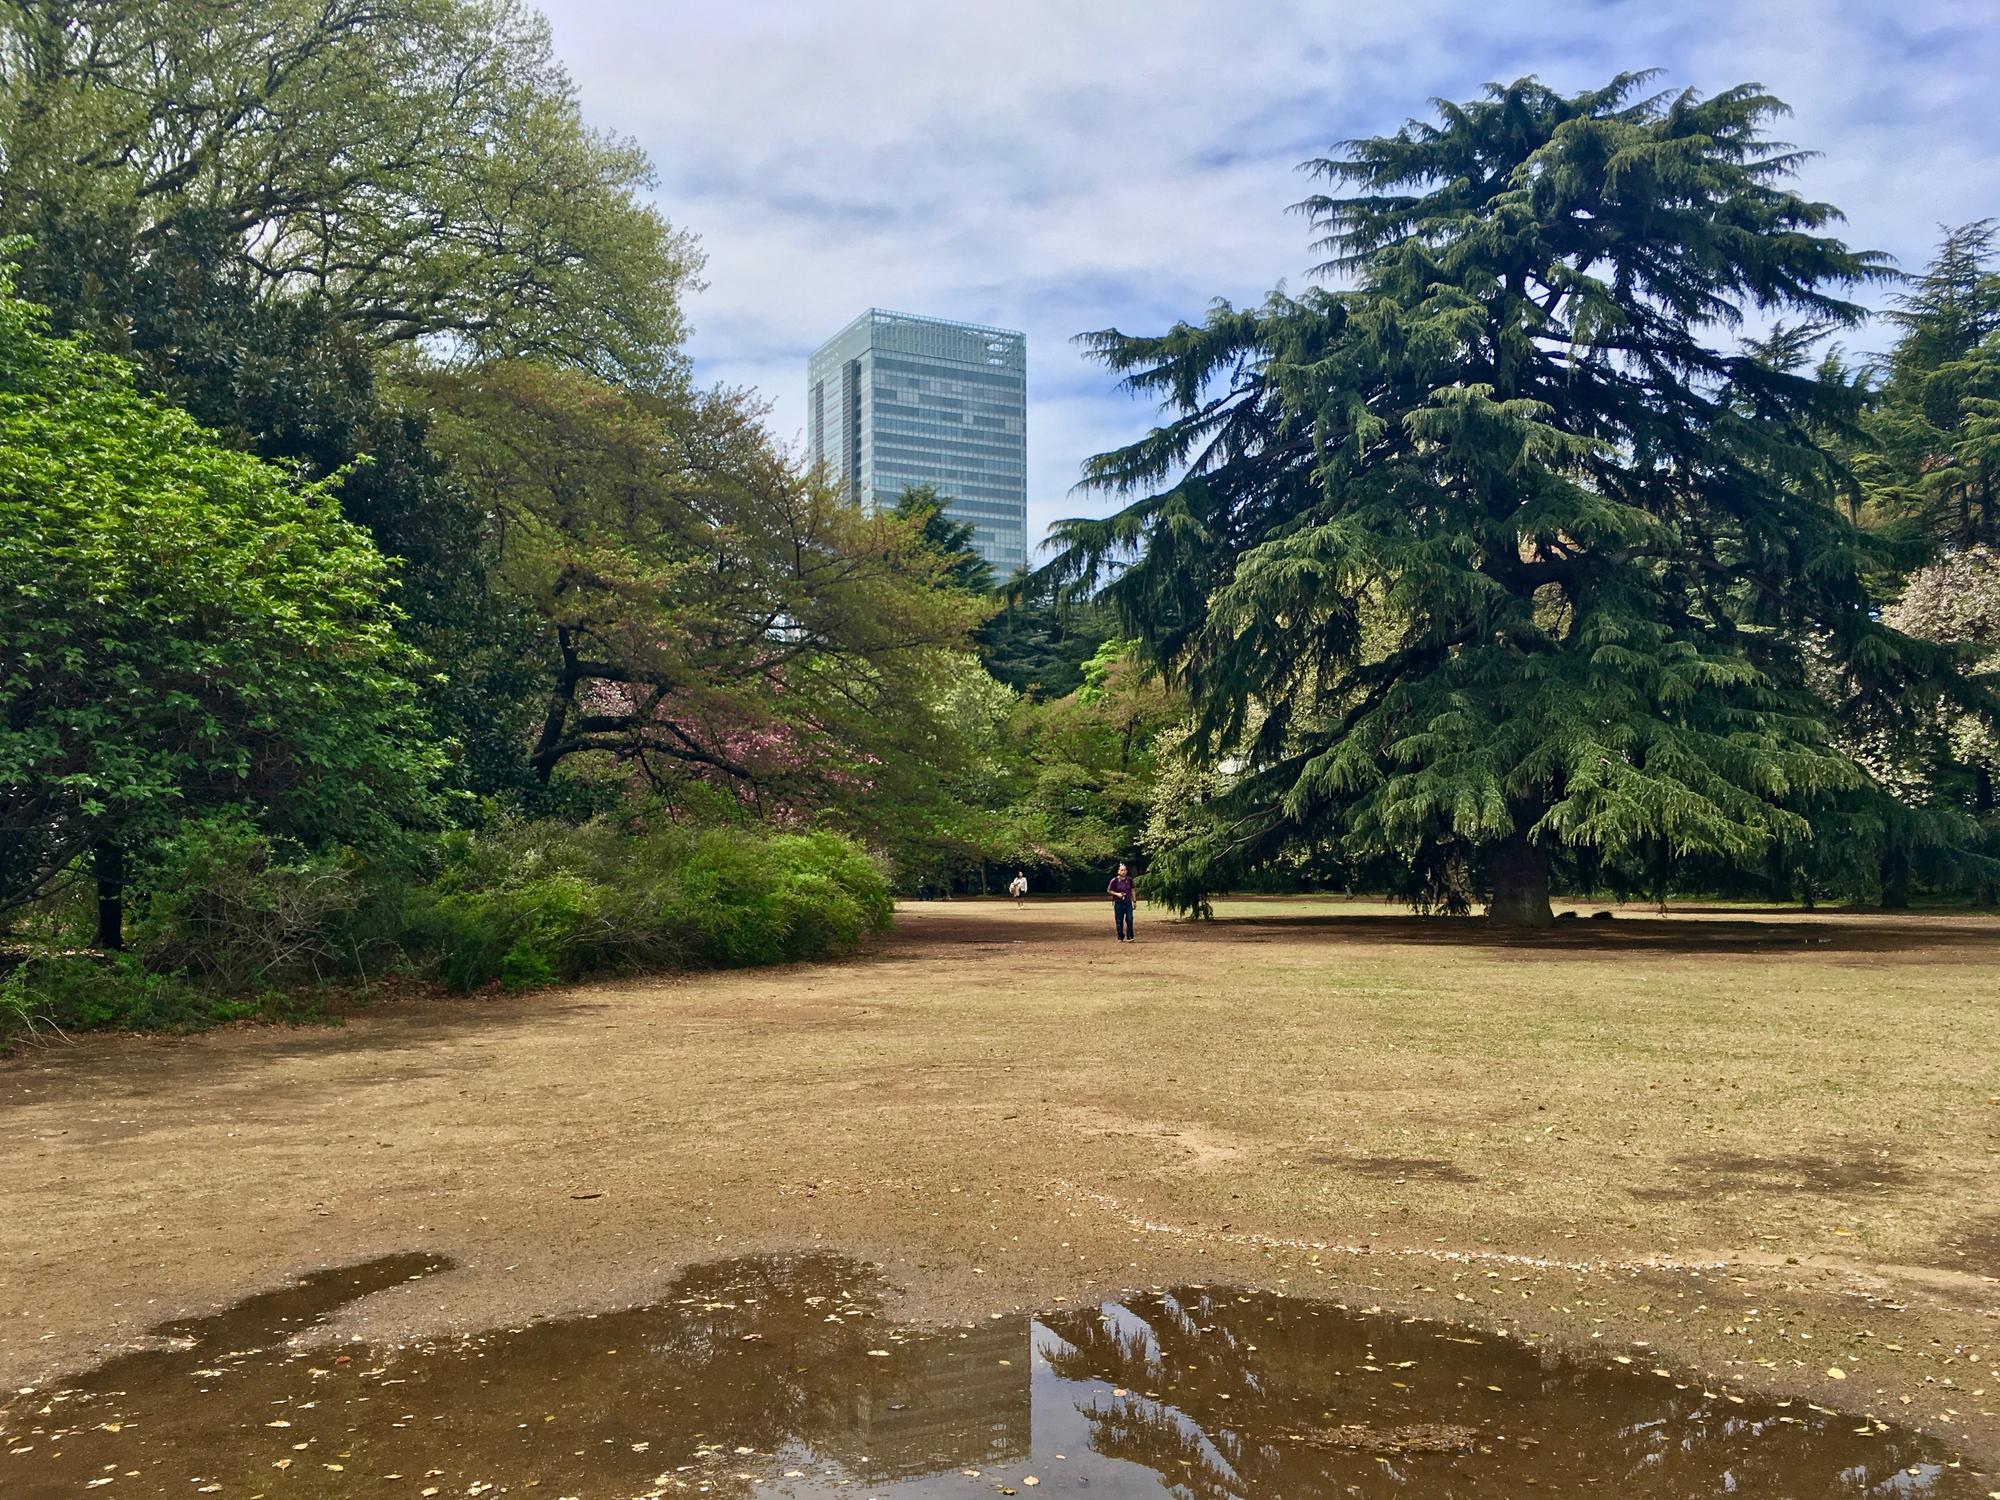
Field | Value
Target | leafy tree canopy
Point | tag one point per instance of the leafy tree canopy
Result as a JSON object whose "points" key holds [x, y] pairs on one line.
{"points": [[1040, 640], [419, 167], [1506, 555], [264, 205], [704, 616], [182, 627]]}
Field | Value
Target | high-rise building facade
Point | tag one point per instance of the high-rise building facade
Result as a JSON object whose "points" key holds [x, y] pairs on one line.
{"points": [[894, 400]]}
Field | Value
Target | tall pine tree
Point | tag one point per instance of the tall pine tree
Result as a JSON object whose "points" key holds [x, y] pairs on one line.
{"points": [[1514, 555], [1932, 461]]}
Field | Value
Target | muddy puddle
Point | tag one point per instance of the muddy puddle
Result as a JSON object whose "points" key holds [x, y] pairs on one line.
{"points": [[783, 1377]]}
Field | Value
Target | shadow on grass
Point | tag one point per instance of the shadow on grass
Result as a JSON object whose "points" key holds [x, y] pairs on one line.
{"points": [[1703, 1175], [990, 928]]}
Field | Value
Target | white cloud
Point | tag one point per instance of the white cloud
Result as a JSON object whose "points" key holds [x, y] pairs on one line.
{"points": [[1059, 166]]}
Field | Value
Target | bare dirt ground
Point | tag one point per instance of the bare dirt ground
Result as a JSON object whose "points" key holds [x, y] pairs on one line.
{"points": [[1748, 1150]]}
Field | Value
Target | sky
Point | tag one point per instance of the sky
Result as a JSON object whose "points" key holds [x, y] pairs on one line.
{"points": [[1060, 166]]}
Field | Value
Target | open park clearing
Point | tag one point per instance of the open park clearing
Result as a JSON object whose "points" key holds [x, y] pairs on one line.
{"points": [[1760, 1151]]}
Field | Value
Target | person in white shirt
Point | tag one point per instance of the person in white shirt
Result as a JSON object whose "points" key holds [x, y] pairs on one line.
{"points": [[1018, 887]]}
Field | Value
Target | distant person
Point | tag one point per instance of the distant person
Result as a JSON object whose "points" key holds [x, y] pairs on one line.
{"points": [[1120, 892], [1018, 886]]}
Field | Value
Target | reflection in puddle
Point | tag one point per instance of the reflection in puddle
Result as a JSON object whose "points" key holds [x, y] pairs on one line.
{"points": [[780, 1377]]}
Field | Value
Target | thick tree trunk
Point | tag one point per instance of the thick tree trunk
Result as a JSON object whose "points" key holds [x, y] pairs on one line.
{"points": [[107, 867], [1895, 880], [1520, 874]]}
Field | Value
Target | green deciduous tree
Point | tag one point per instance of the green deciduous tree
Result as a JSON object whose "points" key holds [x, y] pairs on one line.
{"points": [[420, 167], [1089, 761], [705, 616], [182, 627], [1508, 557], [1058, 786], [261, 205]]}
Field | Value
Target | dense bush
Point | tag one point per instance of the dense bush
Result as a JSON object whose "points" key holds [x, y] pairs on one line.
{"points": [[534, 903], [232, 924], [232, 905], [104, 992]]}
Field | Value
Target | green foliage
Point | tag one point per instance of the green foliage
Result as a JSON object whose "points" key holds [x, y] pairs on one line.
{"points": [[1060, 788], [1505, 559], [329, 274], [291, 383], [237, 925], [922, 506], [182, 627], [703, 616], [45, 997], [535, 903], [262, 205], [418, 167], [1928, 467], [226, 903], [1038, 642], [1930, 464]]}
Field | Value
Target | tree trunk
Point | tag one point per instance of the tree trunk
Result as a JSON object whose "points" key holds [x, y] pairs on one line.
{"points": [[1520, 874], [1895, 879], [1982, 804], [548, 743], [107, 866]]}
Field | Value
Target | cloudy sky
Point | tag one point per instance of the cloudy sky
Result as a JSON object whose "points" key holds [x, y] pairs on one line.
{"points": [[1062, 165]]}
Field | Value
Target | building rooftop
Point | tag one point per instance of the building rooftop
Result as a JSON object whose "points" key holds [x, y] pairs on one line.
{"points": [[889, 315]]}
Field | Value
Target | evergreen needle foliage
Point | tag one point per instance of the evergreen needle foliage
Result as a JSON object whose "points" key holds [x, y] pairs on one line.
{"points": [[1513, 555]]}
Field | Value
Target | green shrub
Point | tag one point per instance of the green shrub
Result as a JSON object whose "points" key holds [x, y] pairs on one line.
{"points": [[240, 909], [745, 902], [226, 916], [552, 926], [92, 992], [534, 903]]}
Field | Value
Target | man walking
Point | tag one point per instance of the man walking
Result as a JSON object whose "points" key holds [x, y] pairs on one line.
{"points": [[1120, 892], [1018, 887]]}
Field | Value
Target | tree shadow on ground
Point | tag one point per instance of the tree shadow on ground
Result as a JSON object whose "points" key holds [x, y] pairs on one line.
{"points": [[1703, 1175], [990, 929]]}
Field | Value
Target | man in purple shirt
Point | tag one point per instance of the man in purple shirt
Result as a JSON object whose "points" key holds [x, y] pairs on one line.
{"points": [[1120, 892]]}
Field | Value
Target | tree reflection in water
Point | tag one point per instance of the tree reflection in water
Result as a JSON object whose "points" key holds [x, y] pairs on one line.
{"points": [[1226, 1394], [781, 1376]]}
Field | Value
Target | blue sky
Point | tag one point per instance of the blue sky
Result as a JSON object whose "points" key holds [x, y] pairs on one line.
{"points": [[1063, 165]]}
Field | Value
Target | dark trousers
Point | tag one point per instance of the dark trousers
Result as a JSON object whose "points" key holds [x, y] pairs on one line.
{"points": [[1121, 914]]}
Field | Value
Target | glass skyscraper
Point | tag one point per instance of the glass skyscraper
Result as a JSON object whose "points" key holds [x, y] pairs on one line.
{"points": [[894, 400]]}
